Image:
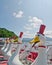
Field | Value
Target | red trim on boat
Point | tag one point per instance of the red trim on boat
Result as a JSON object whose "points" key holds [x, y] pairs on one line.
{"points": [[42, 46], [32, 56]]}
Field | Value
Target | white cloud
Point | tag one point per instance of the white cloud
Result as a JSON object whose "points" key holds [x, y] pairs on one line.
{"points": [[48, 33], [27, 34], [33, 22], [18, 15], [14, 14], [28, 27]]}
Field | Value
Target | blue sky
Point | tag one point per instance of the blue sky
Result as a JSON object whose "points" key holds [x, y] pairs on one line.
{"points": [[26, 15]]}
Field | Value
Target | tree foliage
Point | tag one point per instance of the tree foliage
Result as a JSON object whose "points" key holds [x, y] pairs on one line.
{"points": [[6, 33]]}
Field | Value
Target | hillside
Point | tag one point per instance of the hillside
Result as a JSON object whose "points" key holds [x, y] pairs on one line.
{"points": [[6, 33]]}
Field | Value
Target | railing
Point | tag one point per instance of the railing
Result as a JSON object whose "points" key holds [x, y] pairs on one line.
{"points": [[49, 54]]}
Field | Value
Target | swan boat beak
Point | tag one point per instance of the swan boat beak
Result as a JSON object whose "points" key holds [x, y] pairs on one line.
{"points": [[35, 40]]}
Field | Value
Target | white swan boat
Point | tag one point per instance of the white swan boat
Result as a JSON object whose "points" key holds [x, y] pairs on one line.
{"points": [[14, 59], [40, 56], [28, 55]]}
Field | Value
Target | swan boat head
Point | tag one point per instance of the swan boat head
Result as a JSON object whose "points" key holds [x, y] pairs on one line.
{"points": [[39, 37]]}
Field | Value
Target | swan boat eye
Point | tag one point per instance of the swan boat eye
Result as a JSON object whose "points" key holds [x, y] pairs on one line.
{"points": [[38, 35]]}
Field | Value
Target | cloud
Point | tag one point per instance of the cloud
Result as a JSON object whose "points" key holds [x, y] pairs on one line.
{"points": [[19, 14], [48, 33], [27, 27], [14, 14], [27, 34], [33, 22]]}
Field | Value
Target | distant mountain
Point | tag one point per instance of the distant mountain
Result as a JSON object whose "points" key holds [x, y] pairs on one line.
{"points": [[49, 34], [29, 39], [6, 33], [48, 39]]}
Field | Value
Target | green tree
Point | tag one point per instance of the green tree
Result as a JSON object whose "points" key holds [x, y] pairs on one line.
{"points": [[6, 33]]}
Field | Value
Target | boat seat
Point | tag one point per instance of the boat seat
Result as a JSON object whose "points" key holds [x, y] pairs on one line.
{"points": [[21, 51], [12, 51], [32, 56]]}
